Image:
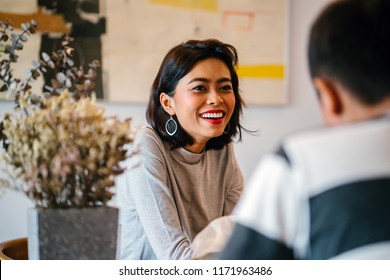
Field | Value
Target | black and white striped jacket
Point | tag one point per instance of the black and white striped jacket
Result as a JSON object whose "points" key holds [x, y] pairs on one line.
{"points": [[325, 194]]}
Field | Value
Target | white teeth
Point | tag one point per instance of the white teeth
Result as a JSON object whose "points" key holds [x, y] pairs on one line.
{"points": [[212, 115]]}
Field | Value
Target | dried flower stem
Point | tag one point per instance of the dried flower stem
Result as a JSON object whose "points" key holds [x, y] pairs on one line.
{"points": [[60, 144]]}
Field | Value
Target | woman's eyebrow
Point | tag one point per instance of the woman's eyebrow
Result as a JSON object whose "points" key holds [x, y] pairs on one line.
{"points": [[205, 80], [199, 80], [223, 80]]}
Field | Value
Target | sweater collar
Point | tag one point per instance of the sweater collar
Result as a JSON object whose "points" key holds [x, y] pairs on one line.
{"points": [[185, 156]]}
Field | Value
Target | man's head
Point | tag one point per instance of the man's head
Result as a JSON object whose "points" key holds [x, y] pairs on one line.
{"points": [[349, 59]]}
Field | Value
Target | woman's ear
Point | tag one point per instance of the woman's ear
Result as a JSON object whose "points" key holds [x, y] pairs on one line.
{"points": [[330, 99], [168, 103]]}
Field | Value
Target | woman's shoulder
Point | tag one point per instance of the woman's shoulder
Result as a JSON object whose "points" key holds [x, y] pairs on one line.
{"points": [[146, 138], [146, 134], [146, 147]]}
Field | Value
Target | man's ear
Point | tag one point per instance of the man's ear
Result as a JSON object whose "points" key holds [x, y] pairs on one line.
{"points": [[331, 102], [167, 103]]}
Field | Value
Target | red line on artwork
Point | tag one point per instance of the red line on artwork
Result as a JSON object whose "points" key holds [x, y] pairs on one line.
{"points": [[250, 16]]}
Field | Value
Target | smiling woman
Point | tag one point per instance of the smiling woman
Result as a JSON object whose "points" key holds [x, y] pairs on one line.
{"points": [[184, 174], [203, 102]]}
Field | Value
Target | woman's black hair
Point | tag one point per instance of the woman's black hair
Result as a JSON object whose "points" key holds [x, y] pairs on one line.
{"points": [[177, 63]]}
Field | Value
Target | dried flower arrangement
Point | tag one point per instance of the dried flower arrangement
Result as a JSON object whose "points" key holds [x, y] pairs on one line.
{"points": [[57, 146]]}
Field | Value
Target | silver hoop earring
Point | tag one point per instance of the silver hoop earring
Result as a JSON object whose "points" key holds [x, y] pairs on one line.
{"points": [[171, 126], [227, 128]]}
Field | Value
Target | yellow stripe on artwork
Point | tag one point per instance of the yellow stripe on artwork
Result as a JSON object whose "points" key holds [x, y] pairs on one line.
{"points": [[273, 71], [207, 5]]}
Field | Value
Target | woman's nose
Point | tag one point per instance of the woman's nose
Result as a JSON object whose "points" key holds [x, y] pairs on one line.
{"points": [[214, 98]]}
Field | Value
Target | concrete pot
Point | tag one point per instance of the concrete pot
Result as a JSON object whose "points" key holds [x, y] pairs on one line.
{"points": [[72, 233]]}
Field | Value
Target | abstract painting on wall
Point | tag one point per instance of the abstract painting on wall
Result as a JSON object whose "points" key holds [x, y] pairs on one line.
{"points": [[130, 38]]}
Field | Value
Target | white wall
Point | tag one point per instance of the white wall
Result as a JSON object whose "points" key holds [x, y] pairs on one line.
{"points": [[301, 112]]}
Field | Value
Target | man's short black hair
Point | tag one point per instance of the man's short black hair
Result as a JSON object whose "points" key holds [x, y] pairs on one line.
{"points": [[350, 42]]}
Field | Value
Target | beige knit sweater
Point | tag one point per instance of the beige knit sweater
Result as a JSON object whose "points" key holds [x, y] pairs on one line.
{"points": [[166, 197]]}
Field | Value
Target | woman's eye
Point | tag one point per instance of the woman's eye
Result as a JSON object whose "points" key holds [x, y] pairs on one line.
{"points": [[199, 88], [226, 88]]}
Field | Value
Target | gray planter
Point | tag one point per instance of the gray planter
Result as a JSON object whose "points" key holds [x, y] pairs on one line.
{"points": [[73, 233]]}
